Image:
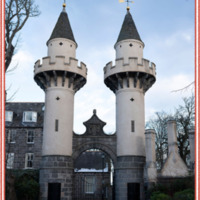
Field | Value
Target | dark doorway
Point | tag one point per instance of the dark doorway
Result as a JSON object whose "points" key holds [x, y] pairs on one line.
{"points": [[133, 191], [54, 190]]}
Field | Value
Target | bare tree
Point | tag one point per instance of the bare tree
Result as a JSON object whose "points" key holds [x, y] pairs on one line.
{"points": [[184, 116], [185, 88], [159, 124], [17, 14]]}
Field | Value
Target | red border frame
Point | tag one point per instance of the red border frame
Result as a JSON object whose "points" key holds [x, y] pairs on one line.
{"points": [[197, 85], [2, 100]]}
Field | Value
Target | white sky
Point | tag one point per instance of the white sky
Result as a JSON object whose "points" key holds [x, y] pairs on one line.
{"points": [[166, 28]]}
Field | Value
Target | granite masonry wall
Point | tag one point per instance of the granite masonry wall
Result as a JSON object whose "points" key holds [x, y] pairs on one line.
{"points": [[129, 169], [56, 169]]}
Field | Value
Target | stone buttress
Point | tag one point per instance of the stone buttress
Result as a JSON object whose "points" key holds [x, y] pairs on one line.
{"points": [[129, 79], [60, 77]]}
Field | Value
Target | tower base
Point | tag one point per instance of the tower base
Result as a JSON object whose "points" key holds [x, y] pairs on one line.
{"points": [[56, 174], [129, 178]]}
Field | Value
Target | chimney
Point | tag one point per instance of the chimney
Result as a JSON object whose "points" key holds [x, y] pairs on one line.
{"points": [[192, 148], [151, 171], [172, 136]]}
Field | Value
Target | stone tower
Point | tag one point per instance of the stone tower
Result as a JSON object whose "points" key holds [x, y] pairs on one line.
{"points": [[60, 78], [129, 79]]}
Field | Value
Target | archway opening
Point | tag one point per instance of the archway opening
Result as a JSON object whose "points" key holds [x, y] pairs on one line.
{"points": [[93, 175]]}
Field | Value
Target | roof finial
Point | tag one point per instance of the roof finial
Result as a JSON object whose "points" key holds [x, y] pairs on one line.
{"points": [[64, 5], [127, 1]]}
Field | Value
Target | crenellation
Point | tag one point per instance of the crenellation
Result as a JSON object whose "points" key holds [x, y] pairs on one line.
{"points": [[109, 64], [132, 66], [60, 64], [82, 65], [146, 62], [59, 60], [133, 62]]}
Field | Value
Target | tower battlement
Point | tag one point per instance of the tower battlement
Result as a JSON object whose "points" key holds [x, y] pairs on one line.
{"points": [[60, 63], [132, 66], [130, 75], [59, 72]]}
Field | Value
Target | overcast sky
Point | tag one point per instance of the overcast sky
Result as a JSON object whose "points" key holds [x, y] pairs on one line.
{"points": [[166, 28]]}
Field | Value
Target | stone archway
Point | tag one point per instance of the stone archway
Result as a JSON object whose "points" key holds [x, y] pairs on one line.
{"points": [[93, 145], [93, 173], [93, 139]]}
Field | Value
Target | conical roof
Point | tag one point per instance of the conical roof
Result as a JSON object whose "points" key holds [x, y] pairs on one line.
{"points": [[128, 30], [62, 28]]}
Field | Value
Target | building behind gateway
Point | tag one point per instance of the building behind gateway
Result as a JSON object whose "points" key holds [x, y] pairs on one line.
{"points": [[93, 165]]}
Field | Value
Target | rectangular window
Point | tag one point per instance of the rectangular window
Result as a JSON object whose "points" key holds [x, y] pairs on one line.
{"points": [[89, 184], [9, 116], [11, 136], [29, 160], [56, 125], [30, 136], [132, 126], [9, 160], [29, 116]]}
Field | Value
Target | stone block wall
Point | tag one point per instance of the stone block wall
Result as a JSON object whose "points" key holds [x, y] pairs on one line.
{"points": [[20, 147], [129, 169], [101, 183], [56, 169]]}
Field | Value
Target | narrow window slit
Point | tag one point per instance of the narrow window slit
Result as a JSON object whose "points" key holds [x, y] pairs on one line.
{"points": [[56, 125], [132, 126]]}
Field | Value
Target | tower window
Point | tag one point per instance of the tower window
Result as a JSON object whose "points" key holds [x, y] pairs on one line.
{"points": [[56, 125], [132, 126], [60, 43], [130, 44]]}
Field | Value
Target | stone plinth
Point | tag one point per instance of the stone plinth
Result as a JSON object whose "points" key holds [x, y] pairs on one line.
{"points": [[56, 169], [129, 169]]}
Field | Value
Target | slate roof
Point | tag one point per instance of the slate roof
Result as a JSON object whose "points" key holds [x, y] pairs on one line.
{"points": [[18, 108], [128, 30], [62, 28]]}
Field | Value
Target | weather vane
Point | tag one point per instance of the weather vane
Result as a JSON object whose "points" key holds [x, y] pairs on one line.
{"points": [[64, 4], [127, 1]]}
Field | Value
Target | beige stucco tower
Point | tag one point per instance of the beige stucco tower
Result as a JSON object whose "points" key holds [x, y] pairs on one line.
{"points": [[129, 79], [60, 77]]}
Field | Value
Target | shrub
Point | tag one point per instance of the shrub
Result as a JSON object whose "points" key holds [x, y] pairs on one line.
{"points": [[159, 187], [182, 184], [159, 196], [184, 195], [26, 187]]}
